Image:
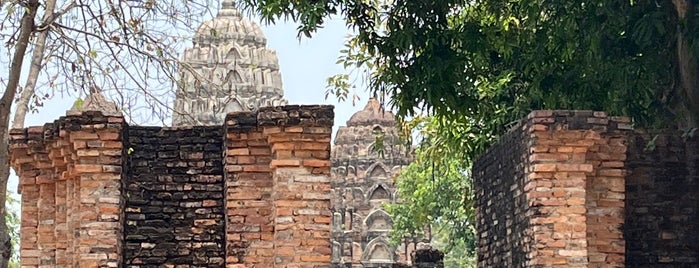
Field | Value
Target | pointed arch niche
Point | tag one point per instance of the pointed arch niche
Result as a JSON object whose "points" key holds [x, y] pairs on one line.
{"points": [[378, 251], [234, 54], [379, 193], [378, 220], [378, 170]]}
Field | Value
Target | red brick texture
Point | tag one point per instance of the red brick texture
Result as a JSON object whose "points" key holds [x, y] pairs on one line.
{"points": [[95, 192], [558, 176], [278, 187], [70, 180]]}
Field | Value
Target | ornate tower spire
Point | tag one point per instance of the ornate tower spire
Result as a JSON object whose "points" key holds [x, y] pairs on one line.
{"points": [[228, 9], [362, 181], [228, 69]]}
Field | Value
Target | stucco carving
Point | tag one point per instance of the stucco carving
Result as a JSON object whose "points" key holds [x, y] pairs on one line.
{"points": [[363, 181], [228, 69]]}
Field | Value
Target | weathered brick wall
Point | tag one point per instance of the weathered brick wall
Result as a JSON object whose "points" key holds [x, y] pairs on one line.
{"points": [[278, 187], [174, 197], [502, 214], [70, 181], [566, 208], [249, 204], [662, 200], [252, 193]]}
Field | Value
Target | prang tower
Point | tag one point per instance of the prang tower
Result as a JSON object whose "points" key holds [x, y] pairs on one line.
{"points": [[228, 69], [363, 180]]}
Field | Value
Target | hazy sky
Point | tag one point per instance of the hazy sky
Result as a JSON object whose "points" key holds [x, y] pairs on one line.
{"points": [[305, 65]]}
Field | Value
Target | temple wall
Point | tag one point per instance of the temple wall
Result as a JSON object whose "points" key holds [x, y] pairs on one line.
{"points": [[662, 200], [252, 193], [582, 189], [174, 196], [72, 193]]}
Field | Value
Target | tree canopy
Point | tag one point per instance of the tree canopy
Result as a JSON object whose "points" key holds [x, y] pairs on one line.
{"points": [[488, 59], [476, 66]]}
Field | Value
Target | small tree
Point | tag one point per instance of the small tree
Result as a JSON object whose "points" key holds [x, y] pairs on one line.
{"points": [[126, 48]]}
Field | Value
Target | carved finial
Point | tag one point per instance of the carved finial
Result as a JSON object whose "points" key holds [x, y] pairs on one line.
{"points": [[228, 9], [95, 102], [373, 105]]}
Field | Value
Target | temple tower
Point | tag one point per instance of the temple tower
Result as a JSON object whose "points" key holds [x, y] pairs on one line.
{"points": [[228, 69], [363, 180]]}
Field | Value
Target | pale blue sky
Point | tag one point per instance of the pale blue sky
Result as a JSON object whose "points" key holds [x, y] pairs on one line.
{"points": [[304, 64]]}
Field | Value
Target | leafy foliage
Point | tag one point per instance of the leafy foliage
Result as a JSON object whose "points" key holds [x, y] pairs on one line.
{"points": [[462, 252], [493, 61], [435, 190], [475, 66], [12, 219]]}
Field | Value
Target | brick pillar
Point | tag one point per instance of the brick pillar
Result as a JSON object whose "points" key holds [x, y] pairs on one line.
{"points": [[248, 188], [70, 181], [300, 142], [550, 192], [22, 159], [575, 187], [58, 162], [46, 235], [98, 195], [606, 192]]}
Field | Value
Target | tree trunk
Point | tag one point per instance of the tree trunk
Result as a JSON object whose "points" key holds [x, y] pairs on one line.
{"points": [[687, 65], [26, 28], [34, 69]]}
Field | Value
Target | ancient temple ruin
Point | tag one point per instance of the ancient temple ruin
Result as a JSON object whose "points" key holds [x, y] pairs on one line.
{"points": [[228, 69], [252, 192], [362, 180]]}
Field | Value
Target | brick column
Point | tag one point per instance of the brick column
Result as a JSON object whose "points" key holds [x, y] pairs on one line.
{"points": [[606, 192], [99, 200], [550, 193], [248, 188], [62, 155], [46, 235], [58, 162], [23, 145], [576, 187], [300, 142]]}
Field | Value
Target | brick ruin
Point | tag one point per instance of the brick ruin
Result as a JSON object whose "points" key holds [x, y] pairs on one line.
{"points": [[583, 189], [254, 192], [561, 189]]}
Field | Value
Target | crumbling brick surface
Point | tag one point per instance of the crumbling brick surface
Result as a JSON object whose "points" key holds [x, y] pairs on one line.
{"points": [[594, 193], [174, 197], [278, 187], [254, 192], [70, 180], [550, 192], [502, 211]]}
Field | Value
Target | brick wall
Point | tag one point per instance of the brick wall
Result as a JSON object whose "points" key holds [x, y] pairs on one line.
{"points": [[278, 187], [252, 193], [502, 209], [174, 197], [662, 200], [550, 193], [70, 181], [580, 189]]}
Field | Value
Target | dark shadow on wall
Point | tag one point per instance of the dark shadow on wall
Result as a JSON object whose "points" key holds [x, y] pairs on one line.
{"points": [[662, 200]]}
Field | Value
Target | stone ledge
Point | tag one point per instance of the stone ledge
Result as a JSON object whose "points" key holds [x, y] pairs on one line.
{"points": [[20, 137], [578, 120], [289, 115]]}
